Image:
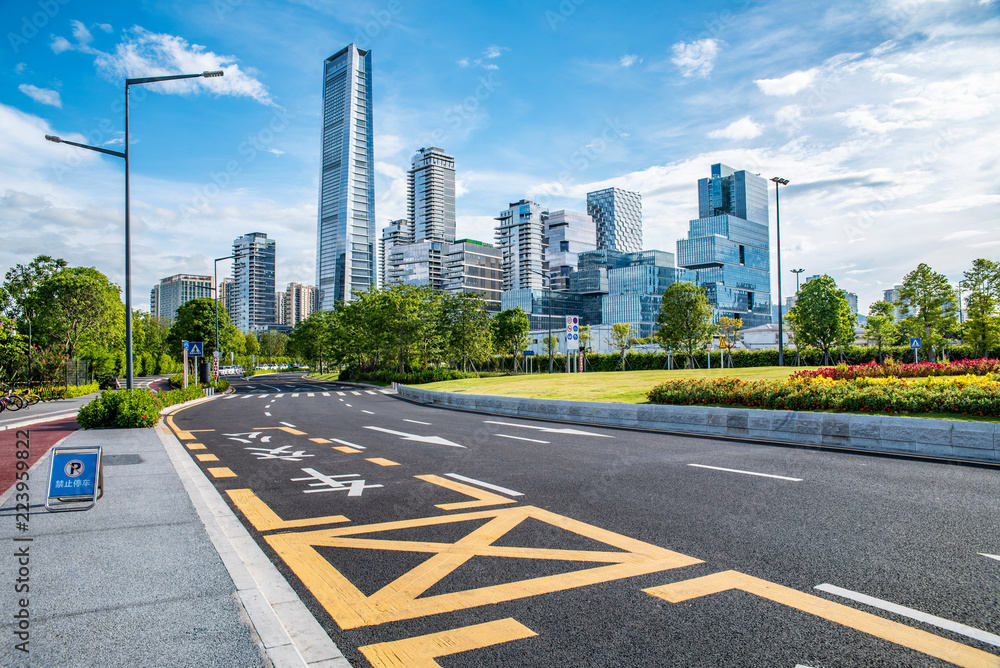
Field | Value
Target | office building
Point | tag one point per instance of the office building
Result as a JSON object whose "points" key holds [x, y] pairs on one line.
{"points": [[567, 234], [520, 237], [345, 234], [416, 264], [279, 308], [171, 292], [430, 190], [474, 267], [227, 297], [729, 245], [617, 214], [298, 302], [253, 277], [397, 233]]}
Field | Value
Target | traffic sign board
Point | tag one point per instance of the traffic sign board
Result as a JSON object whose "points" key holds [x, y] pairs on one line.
{"points": [[74, 476], [196, 348], [186, 344], [572, 332], [915, 342]]}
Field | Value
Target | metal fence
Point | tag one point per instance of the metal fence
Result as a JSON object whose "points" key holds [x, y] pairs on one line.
{"points": [[78, 372]]}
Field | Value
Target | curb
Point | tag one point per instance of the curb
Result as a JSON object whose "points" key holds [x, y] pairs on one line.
{"points": [[40, 419], [289, 634]]}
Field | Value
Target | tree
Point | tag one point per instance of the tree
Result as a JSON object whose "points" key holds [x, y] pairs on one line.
{"points": [[551, 344], [18, 297], [822, 316], [13, 348], [585, 335], [982, 326], [80, 303], [729, 334], [685, 319], [880, 326], [251, 346], [464, 329], [195, 321], [930, 303], [510, 331], [621, 339]]}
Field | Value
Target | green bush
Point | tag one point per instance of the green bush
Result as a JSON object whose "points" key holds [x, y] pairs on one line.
{"points": [[387, 377], [81, 390], [130, 409]]}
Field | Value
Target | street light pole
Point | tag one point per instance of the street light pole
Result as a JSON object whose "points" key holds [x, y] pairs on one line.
{"points": [[796, 272], [128, 230], [778, 181]]}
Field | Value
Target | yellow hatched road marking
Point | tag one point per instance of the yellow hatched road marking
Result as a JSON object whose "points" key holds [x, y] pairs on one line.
{"points": [[319, 440], [344, 448], [264, 519], [382, 461], [221, 472], [421, 651], [399, 600], [483, 498], [183, 435], [916, 639], [196, 446], [207, 458]]}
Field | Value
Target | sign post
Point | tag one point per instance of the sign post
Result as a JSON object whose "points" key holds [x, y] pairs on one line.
{"points": [[75, 477], [572, 338], [186, 345], [915, 343]]}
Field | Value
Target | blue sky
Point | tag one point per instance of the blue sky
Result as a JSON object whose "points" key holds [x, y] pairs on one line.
{"points": [[882, 114]]}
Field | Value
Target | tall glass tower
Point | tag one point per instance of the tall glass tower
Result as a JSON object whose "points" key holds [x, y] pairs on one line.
{"points": [[430, 188], [729, 245], [253, 278], [345, 230], [618, 216]]}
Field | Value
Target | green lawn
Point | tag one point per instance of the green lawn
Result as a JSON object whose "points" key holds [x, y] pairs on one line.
{"points": [[629, 387]]}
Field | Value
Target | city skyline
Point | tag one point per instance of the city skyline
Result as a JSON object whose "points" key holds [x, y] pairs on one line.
{"points": [[879, 115]]}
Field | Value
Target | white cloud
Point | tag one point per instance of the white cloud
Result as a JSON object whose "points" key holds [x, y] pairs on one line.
{"points": [[464, 62], [790, 84], [744, 128], [963, 234], [494, 51], [144, 53], [275, 151], [696, 59], [20, 68], [106, 27], [629, 59], [789, 114], [41, 95], [82, 44]]}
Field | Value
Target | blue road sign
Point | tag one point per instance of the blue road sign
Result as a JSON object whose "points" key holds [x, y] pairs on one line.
{"points": [[529, 353], [186, 345], [915, 342], [196, 348]]}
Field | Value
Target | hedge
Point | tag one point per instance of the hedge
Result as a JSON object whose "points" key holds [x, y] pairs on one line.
{"points": [[387, 377], [130, 409]]}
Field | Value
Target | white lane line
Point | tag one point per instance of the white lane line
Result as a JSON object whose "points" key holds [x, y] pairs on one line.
{"points": [[989, 556], [370, 392], [341, 394], [340, 399], [369, 412], [288, 425], [495, 488], [310, 394], [262, 396], [349, 444], [939, 622], [521, 438], [278, 396], [762, 475], [548, 430], [249, 396], [416, 422], [295, 395], [349, 406], [267, 414], [326, 394], [356, 393]]}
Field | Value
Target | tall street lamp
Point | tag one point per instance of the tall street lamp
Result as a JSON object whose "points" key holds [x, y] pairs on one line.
{"points": [[796, 272], [128, 234], [778, 181]]}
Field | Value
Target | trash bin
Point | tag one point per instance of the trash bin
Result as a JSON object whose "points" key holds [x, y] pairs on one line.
{"points": [[204, 375]]}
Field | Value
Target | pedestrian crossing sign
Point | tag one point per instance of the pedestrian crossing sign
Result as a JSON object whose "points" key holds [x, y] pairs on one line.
{"points": [[196, 349]]}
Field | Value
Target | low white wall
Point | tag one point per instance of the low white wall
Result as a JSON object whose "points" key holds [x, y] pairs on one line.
{"points": [[953, 439]]}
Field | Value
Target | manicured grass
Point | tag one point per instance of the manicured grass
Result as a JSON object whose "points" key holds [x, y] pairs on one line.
{"points": [[629, 387]]}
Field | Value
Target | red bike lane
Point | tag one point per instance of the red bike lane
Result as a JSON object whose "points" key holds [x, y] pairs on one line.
{"points": [[41, 437]]}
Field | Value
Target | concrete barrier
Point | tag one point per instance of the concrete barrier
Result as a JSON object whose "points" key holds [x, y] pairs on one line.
{"points": [[949, 439]]}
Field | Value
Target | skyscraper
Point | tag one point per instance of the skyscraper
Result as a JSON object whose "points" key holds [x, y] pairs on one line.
{"points": [[430, 189], [253, 278], [618, 216], [172, 292], [567, 234], [345, 231], [520, 237], [397, 233], [729, 245]]}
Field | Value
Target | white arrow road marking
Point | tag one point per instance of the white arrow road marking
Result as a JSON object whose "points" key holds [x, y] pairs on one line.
{"points": [[989, 556], [939, 622], [549, 430], [413, 437]]}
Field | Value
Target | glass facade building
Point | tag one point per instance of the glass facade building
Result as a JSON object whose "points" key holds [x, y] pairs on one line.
{"points": [[474, 267], [430, 188], [729, 245], [253, 282], [397, 233], [567, 234], [171, 292], [345, 235], [617, 214], [521, 239]]}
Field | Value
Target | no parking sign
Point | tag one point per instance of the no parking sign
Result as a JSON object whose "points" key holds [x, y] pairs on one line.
{"points": [[572, 332], [75, 477]]}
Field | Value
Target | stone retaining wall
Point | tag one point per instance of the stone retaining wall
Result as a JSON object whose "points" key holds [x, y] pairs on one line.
{"points": [[952, 439]]}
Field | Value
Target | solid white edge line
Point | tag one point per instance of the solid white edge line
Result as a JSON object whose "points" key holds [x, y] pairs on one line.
{"points": [[495, 488], [369, 412], [272, 606], [940, 622], [287, 424], [417, 422], [989, 556], [762, 475], [349, 444], [521, 438]]}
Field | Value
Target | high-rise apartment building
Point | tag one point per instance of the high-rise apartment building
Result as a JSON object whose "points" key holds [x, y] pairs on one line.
{"points": [[729, 245], [618, 216], [567, 234], [171, 292], [397, 233], [253, 278], [299, 301], [279, 308], [345, 234], [430, 189], [227, 297], [472, 266], [520, 237]]}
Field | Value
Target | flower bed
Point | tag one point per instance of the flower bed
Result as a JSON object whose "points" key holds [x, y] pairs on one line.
{"points": [[894, 369], [967, 395]]}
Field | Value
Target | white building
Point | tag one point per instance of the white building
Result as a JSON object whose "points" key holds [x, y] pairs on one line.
{"points": [[520, 237]]}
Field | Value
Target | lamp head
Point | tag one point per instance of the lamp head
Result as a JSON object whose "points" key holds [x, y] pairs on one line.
{"points": [[778, 179], [53, 138], [209, 75]]}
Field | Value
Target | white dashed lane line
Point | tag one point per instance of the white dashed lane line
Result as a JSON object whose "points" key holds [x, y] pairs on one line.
{"points": [[416, 422], [762, 475], [521, 438]]}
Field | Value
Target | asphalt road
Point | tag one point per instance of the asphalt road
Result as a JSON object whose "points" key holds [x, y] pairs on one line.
{"points": [[514, 542]]}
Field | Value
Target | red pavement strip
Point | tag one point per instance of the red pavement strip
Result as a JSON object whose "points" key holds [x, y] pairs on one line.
{"points": [[42, 436]]}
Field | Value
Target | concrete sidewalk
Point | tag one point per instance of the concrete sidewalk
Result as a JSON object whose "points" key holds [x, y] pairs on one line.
{"points": [[139, 581]]}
